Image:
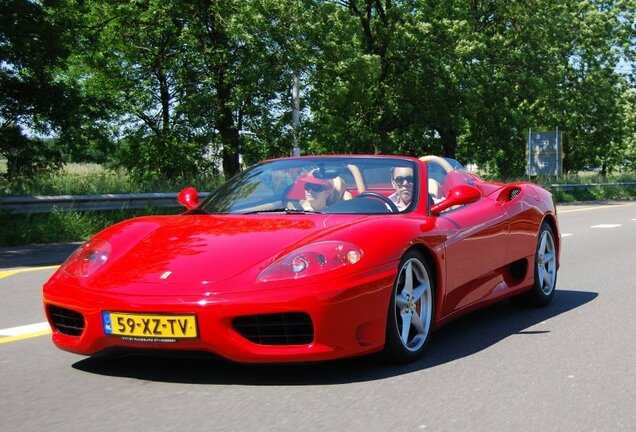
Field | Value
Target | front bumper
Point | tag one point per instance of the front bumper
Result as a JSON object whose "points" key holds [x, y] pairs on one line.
{"points": [[348, 317]]}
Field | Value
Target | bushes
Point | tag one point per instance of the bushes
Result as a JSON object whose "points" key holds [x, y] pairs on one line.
{"points": [[93, 179], [595, 193], [60, 227]]}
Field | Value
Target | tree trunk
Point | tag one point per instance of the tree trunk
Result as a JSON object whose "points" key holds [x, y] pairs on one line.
{"points": [[449, 142], [163, 137], [231, 163], [567, 165], [165, 102], [227, 129], [215, 37]]}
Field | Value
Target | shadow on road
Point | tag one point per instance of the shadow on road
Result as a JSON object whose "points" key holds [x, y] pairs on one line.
{"points": [[468, 335]]}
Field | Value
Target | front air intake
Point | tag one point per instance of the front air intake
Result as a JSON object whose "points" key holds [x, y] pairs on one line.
{"points": [[66, 321], [293, 328]]}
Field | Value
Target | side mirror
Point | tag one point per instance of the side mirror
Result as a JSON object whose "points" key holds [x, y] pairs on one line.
{"points": [[459, 195], [189, 198]]}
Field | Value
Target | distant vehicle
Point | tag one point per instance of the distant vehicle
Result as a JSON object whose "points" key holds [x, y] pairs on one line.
{"points": [[253, 275]]}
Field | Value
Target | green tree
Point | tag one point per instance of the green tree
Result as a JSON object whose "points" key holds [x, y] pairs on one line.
{"points": [[629, 132], [33, 50], [469, 78], [242, 59], [586, 100], [364, 95], [168, 88], [131, 65], [187, 84]]}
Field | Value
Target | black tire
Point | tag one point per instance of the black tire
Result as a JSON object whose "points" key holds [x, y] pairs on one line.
{"points": [[413, 302], [545, 271]]}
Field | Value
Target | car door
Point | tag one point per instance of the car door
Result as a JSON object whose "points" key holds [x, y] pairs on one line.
{"points": [[476, 238]]}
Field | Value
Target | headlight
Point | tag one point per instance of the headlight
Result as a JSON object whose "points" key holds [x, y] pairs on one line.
{"points": [[311, 260], [87, 259]]}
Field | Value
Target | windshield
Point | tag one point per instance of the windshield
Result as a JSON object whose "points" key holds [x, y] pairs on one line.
{"points": [[364, 185]]}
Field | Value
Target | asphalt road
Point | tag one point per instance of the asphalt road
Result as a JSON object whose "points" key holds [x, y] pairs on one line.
{"points": [[570, 366]]}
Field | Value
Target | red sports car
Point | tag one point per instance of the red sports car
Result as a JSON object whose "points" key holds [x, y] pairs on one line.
{"points": [[307, 259]]}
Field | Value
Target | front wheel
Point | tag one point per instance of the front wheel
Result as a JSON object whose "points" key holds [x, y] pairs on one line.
{"points": [[410, 315]]}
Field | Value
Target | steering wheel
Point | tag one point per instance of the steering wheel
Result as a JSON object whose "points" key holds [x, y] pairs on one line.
{"points": [[381, 197], [443, 163]]}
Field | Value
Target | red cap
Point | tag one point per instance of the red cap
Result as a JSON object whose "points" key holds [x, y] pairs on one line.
{"points": [[308, 178]]}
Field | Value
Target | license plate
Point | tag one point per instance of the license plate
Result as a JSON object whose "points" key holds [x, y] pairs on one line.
{"points": [[150, 325]]}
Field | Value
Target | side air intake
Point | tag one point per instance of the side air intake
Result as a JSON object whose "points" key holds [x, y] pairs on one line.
{"points": [[514, 192], [508, 194]]}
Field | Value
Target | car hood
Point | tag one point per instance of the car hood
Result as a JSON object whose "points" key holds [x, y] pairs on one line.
{"points": [[211, 248]]}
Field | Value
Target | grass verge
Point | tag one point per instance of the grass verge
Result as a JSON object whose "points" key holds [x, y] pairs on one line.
{"points": [[595, 193], [60, 227], [94, 179]]}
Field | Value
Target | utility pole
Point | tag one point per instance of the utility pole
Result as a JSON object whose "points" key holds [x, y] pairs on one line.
{"points": [[296, 113]]}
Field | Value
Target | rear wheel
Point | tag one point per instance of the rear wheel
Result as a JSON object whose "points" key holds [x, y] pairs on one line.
{"points": [[545, 270], [410, 315]]}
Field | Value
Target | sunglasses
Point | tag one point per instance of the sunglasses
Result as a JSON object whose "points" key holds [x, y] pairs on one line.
{"points": [[310, 187], [401, 180]]}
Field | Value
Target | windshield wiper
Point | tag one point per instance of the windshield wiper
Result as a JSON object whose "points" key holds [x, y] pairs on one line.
{"points": [[284, 210]]}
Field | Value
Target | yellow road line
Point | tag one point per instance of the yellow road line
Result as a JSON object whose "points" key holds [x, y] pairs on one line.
{"points": [[7, 273], [24, 336], [594, 208]]}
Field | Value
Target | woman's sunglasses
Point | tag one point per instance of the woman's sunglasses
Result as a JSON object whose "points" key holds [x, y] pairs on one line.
{"points": [[315, 188]]}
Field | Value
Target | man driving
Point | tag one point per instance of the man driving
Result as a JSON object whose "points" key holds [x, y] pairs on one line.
{"points": [[402, 181]]}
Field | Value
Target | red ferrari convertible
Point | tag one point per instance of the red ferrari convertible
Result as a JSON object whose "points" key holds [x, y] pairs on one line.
{"points": [[308, 259]]}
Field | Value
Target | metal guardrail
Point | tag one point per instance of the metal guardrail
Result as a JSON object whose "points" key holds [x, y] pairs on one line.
{"points": [[46, 204], [577, 186]]}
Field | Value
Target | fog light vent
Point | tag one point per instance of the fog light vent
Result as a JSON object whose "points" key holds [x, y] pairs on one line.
{"points": [[66, 321], [293, 328]]}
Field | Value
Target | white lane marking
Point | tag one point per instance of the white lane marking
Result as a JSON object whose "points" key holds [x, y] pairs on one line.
{"points": [[606, 226], [567, 235], [25, 329]]}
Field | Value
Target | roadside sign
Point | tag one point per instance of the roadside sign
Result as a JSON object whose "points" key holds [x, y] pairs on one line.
{"points": [[544, 154]]}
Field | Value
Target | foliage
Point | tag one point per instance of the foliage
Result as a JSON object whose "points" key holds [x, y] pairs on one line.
{"points": [[186, 84], [169, 89], [629, 144], [58, 227], [33, 50], [94, 179], [28, 156], [91, 179], [597, 193]]}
